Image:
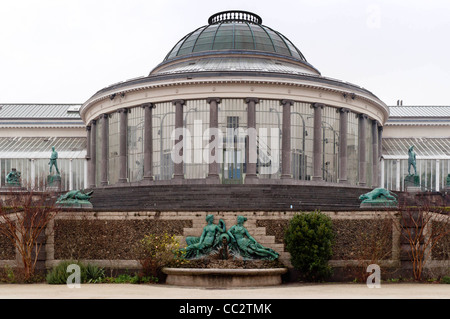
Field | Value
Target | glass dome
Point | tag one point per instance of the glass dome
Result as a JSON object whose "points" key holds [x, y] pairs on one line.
{"points": [[238, 31]]}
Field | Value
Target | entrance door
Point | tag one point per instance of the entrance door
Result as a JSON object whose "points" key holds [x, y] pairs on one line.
{"points": [[232, 172], [233, 154]]}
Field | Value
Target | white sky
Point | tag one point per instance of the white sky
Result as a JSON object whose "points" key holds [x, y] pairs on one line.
{"points": [[63, 51]]}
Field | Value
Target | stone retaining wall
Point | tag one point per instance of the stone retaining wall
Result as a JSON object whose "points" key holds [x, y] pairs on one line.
{"points": [[108, 238]]}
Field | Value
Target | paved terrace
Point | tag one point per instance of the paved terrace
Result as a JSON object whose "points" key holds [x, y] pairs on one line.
{"points": [[286, 291]]}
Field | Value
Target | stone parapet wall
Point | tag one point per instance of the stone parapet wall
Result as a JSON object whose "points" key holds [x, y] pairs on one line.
{"points": [[108, 238]]}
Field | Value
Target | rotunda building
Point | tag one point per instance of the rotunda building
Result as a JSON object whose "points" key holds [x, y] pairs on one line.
{"points": [[234, 102]]}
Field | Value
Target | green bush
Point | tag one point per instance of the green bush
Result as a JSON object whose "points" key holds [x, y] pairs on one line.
{"points": [[88, 273], [94, 273], [59, 275], [309, 239], [129, 279], [157, 251], [445, 280]]}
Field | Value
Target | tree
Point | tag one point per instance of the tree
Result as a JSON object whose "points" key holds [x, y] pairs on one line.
{"points": [[24, 216], [421, 228]]}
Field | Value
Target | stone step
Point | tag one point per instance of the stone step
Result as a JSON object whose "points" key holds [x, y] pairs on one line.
{"points": [[226, 197]]}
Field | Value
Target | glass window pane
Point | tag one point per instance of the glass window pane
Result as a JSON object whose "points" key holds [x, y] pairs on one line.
{"points": [[135, 144], [163, 121], [302, 128]]}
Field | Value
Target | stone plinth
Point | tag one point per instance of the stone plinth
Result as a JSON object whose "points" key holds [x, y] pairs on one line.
{"points": [[75, 204], [412, 183], [53, 182], [223, 278], [379, 203]]}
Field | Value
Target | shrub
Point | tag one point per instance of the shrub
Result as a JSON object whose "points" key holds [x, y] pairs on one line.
{"points": [[88, 273], [445, 280], [129, 279], [309, 239], [157, 251], [94, 273], [59, 275]]}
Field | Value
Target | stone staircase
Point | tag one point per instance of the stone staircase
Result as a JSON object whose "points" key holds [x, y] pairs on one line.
{"points": [[227, 198]]}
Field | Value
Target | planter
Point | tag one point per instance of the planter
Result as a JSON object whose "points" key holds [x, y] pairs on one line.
{"points": [[223, 278]]}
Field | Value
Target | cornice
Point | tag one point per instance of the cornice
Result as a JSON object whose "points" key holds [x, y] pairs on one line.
{"points": [[321, 84]]}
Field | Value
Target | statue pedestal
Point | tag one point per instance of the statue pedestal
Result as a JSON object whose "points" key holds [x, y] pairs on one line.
{"points": [[13, 185], [378, 203], [74, 203], [53, 183], [412, 183]]}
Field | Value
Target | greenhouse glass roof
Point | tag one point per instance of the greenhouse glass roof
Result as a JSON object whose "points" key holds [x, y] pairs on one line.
{"points": [[41, 147], [425, 148]]}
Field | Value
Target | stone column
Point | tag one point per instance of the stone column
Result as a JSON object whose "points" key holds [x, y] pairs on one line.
{"points": [[250, 152], [88, 157], [88, 142], [286, 140], [123, 128], [104, 161], [380, 155], [213, 172], [148, 141], [317, 143], [343, 128], [375, 156], [178, 167], [92, 170], [362, 149]]}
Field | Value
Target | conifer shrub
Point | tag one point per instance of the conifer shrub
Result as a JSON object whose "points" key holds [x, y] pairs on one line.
{"points": [[309, 239]]}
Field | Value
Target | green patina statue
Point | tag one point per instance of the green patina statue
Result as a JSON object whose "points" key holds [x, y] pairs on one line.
{"points": [[13, 178], [75, 198], [210, 238], [53, 162], [236, 242], [247, 245], [379, 197], [411, 160]]}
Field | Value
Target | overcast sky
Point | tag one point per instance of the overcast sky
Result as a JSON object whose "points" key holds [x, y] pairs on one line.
{"points": [[63, 51]]}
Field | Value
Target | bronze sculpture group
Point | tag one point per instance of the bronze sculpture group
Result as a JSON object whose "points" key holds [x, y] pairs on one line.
{"points": [[237, 241]]}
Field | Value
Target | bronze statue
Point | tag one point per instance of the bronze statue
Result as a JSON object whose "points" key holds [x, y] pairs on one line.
{"points": [[247, 245], [75, 195], [13, 178], [75, 199], [53, 159], [210, 238], [411, 160], [379, 197]]}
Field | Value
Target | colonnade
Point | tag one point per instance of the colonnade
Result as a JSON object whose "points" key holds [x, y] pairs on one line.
{"points": [[251, 167]]}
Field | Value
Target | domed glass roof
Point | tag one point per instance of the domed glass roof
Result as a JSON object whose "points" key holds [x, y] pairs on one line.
{"points": [[238, 31]]}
